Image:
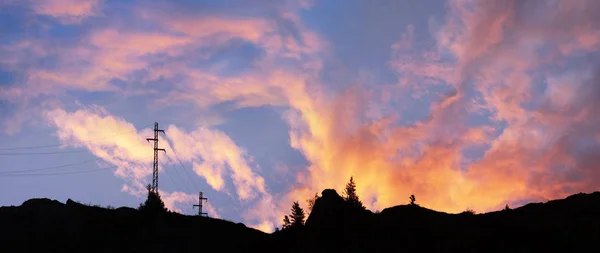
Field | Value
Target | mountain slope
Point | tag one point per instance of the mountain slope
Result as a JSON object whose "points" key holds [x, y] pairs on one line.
{"points": [[43, 225], [566, 225]]}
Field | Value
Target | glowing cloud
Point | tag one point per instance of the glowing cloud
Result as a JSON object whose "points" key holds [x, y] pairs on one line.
{"points": [[213, 154], [68, 11], [117, 143], [498, 106], [426, 158]]}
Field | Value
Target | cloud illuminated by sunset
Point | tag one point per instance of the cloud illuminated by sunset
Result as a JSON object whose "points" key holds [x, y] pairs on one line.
{"points": [[465, 104]]}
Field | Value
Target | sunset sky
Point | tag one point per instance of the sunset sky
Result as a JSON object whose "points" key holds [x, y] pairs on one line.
{"points": [[465, 104]]}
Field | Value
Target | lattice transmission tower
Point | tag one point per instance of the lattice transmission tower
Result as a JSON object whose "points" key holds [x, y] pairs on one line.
{"points": [[154, 186]]}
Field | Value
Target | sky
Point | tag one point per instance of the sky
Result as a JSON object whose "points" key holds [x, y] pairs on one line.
{"points": [[465, 104]]}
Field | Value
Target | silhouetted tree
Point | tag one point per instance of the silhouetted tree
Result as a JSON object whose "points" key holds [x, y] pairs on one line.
{"points": [[412, 199], [297, 215], [286, 222], [469, 211], [154, 203], [311, 201], [506, 208], [350, 195]]}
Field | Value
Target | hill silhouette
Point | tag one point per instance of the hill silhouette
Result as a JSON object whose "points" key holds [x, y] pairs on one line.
{"points": [[566, 225], [44, 225]]}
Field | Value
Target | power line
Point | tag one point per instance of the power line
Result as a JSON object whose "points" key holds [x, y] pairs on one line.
{"points": [[58, 145], [47, 168], [184, 182], [175, 185], [59, 173], [183, 167], [32, 147], [53, 145], [170, 177], [185, 170], [45, 153]]}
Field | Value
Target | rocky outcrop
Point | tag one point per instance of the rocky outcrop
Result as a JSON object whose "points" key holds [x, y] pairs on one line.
{"points": [[328, 211]]}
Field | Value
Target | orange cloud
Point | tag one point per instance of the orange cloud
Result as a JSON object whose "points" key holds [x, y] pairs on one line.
{"points": [[535, 146], [106, 55], [391, 162], [109, 55], [204, 90], [119, 53]]}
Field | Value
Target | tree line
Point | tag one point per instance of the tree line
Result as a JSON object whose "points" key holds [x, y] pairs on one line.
{"points": [[297, 216]]}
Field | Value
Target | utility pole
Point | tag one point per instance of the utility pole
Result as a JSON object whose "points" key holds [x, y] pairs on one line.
{"points": [[199, 205], [154, 186]]}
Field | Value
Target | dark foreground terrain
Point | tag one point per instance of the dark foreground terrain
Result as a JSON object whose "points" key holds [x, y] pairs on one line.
{"points": [[566, 225]]}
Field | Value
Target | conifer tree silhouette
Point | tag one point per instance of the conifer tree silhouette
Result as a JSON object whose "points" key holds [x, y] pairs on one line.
{"points": [[350, 195], [311, 201], [297, 215], [154, 203], [286, 222]]}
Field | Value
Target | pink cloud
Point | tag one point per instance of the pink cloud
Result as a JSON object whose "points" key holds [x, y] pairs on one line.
{"points": [[68, 11], [495, 52], [428, 154]]}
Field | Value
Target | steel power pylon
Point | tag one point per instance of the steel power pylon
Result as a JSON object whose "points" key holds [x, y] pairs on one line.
{"points": [[199, 205], [154, 186]]}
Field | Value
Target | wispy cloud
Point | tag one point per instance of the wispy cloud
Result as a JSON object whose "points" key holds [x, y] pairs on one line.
{"points": [[117, 142], [67, 11], [508, 92], [214, 156]]}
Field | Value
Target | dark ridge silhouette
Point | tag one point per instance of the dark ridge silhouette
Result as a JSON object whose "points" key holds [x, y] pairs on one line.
{"points": [[43, 225], [567, 225], [334, 225]]}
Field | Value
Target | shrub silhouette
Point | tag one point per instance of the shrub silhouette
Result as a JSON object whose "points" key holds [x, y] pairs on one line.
{"points": [[506, 208], [412, 199], [153, 204], [469, 211], [350, 195]]}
